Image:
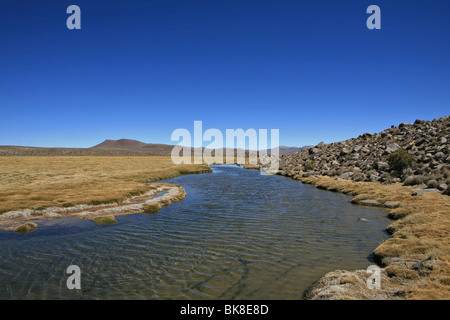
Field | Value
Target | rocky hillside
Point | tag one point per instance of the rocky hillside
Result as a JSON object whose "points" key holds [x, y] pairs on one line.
{"points": [[414, 154]]}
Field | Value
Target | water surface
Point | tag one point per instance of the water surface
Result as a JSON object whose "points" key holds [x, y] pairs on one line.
{"points": [[237, 235]]}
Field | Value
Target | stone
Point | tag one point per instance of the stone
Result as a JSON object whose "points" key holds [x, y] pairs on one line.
{"points": [[392, 147], [359, 177], [320, 145], [346, 175], [442, 186], [365, 150], [425, 264], [439, 155], [344, 152], [381, 166], [419, 192]]}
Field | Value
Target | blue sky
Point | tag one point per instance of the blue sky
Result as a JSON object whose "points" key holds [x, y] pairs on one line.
{"points": [[141, 69]]}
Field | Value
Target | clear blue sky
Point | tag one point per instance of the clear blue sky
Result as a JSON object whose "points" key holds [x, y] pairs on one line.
{"points": [[140, 69]]}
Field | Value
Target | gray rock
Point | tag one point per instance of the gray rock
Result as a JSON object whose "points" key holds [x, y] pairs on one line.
{"points": [[346, 175], [392, 147], [359, 177], [439, 155], [381, 166], [442, 186], [425, 264], [365, 150], [419, 192], [320, 145]]}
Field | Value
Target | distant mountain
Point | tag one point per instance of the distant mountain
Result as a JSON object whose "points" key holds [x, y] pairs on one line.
{"points": [[127, 144], [121, 147], [284, 149]]}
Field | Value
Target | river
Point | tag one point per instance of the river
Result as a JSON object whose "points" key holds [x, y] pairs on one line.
{"points": [[237, 235]]}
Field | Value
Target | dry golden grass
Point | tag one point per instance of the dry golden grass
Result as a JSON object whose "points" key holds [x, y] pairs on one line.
{"points": [[41, 182], [421, 232]]}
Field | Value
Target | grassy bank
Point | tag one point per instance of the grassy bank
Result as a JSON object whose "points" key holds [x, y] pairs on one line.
{"points": [[64, 181], [416, 257]]}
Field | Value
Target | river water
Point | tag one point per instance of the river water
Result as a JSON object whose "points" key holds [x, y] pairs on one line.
{"points": [[237, 235]]}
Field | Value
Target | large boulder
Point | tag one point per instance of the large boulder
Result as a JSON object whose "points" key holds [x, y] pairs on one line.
{"points": [[346, 175], [392, 147], [344, 152], [381, 166], [359, 177], [356, 148]]}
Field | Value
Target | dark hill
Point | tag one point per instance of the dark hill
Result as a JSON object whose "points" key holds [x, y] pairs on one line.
{"points": [[120, 144]]}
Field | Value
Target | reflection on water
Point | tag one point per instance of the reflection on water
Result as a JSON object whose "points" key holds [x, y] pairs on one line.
{"points": [[237, 235]]}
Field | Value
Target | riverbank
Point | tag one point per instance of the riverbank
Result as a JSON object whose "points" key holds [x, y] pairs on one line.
{"points": [[51, 187], [160, 195], [414, 261]]}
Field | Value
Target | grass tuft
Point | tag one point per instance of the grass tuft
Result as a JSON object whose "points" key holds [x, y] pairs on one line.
{"points": [[151, 208]]}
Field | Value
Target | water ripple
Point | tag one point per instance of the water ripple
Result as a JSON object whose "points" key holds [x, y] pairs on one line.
{"points": [[237, 235]]}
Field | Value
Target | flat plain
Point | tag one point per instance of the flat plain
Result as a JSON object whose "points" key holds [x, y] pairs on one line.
{"points": [[29, 182]]}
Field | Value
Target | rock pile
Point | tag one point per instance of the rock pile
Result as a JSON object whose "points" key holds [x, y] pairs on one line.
{"points": [[366, 158]]}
